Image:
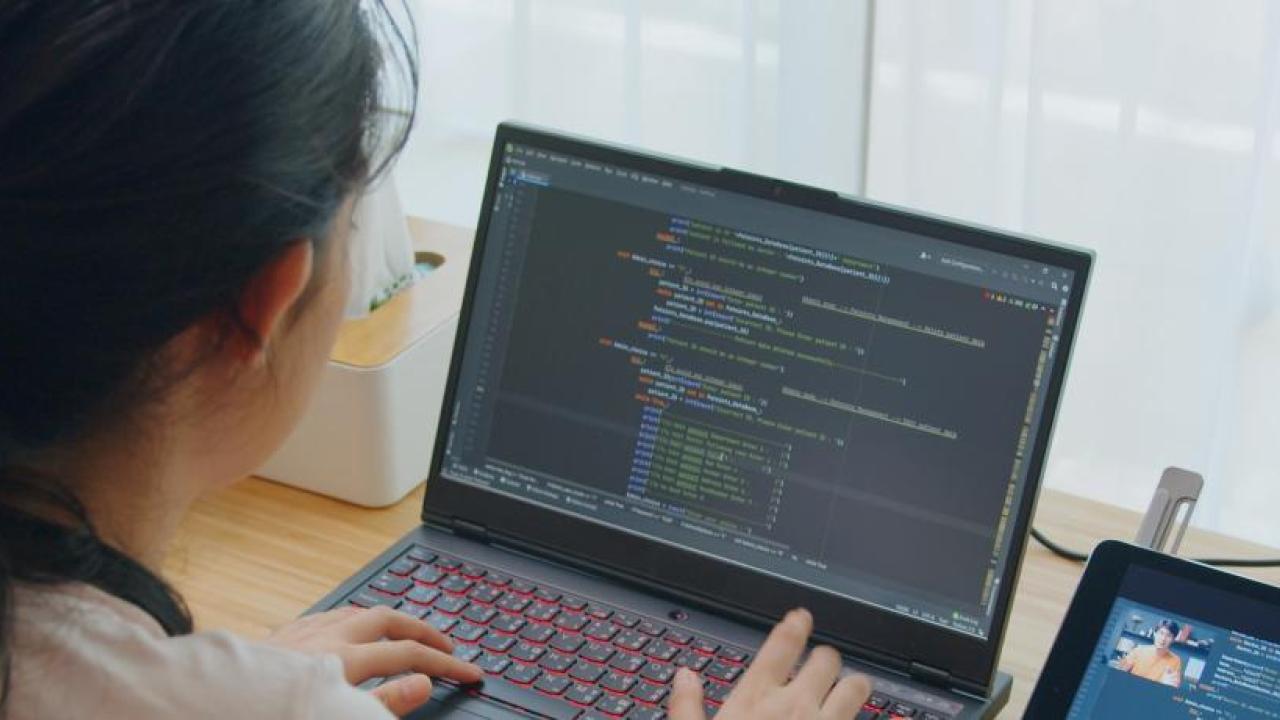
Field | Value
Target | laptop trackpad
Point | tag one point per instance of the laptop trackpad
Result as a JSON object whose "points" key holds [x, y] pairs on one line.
{"points": [[451, 702]]}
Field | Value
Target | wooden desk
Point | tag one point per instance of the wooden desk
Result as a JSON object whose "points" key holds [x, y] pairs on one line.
{"points": [[256, 555]]}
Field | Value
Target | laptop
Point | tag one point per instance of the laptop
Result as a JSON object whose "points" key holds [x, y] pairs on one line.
{"points": [[685, 399], [1151, 636]]}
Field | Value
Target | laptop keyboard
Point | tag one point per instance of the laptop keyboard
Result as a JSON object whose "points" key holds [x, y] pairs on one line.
{"points": [[557, 655]]}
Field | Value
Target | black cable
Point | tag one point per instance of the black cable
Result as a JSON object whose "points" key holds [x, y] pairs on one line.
{"points": [[1076, 556]]}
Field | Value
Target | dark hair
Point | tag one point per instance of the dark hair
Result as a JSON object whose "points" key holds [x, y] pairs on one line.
{"points": [[154, 154], [1169, 625]]}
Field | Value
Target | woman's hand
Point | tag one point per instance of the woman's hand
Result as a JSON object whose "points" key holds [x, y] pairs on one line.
{"points": [[379, 642], [765, 692]]}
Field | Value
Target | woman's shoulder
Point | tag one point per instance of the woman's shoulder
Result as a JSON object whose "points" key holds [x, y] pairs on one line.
{"points": [[78, 651]]}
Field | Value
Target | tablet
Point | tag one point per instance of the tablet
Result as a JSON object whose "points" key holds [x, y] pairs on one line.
{"points": [[1152, 636]]}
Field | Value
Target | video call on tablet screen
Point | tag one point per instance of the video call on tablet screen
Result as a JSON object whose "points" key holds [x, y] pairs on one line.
{"points": [[1172, 648]]}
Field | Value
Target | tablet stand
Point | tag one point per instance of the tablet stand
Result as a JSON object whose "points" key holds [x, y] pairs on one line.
{"points": [[1178, 491]]}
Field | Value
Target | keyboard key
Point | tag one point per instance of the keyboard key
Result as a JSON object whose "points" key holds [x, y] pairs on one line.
{"points": [[627, 663], [867, 714], [441, 622], [466, 653], [649, 693], [472, 571], [368, 599], [877, 701], [552, 684], [626, 620], [391, 584], [733, 655], [542, 613], [675, 637], [528, 652], [710, 709], [492, 664], [631, 640], [717, 691], [467, 632], [523, 674], [583, 694], [650, 628], [900, 710], [557, 662], [586, 672], [448, 563], [429, 574], [573, 602], [705, 646], [723, 671], [693, 660], [513, 603], [524, 587], [570, 621], [456, 584], [567, 643], [597, 652], [402, 567], [480, 614], [497, 643], [660, 650], [538, 633], [546, 594], [657, 672], [930, 716], [484, 593], [451, 604], [641, 712], [617, 682], [599, 612], [507, 623], [498, 579], [420, 554], [423, 595], [601, 631], [414, 611], [614, 705]]}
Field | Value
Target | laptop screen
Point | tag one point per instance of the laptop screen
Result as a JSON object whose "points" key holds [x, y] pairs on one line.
{"points": [[843, 405], [1175, 648]]}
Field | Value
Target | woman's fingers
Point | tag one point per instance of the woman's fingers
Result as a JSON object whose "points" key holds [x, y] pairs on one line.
{"points": [[845, 698], [383, 622], [686, 697], [819, 673], [404, 695], [392, 657], [781, 650]]}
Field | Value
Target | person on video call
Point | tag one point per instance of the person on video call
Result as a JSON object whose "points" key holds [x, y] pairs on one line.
{"points": [[1156, 661]]}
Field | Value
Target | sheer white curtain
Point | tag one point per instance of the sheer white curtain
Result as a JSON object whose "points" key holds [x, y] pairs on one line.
{"points": [[764, 85], [1146, 130]]}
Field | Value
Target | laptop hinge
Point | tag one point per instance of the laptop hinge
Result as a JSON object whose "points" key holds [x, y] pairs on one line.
{"points": [[470, 530], [929, 674]]}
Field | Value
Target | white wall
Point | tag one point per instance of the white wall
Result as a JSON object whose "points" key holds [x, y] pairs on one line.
{"points": [[762, 85], [1146, 130]]}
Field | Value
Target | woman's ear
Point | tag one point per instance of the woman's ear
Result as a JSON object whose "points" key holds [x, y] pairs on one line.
{"points": [[268, 297]]}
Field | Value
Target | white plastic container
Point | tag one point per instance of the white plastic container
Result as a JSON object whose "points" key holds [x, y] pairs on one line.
{"points": [[369, 433]]}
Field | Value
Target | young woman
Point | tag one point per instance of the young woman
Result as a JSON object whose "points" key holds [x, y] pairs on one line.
{"points": [[176, 185]]}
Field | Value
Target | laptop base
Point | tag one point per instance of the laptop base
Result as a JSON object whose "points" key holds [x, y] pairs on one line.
{"points": [[452, 702]]}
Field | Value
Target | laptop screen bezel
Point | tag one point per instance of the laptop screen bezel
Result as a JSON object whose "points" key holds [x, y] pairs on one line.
{"points": [[858, 627]]}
